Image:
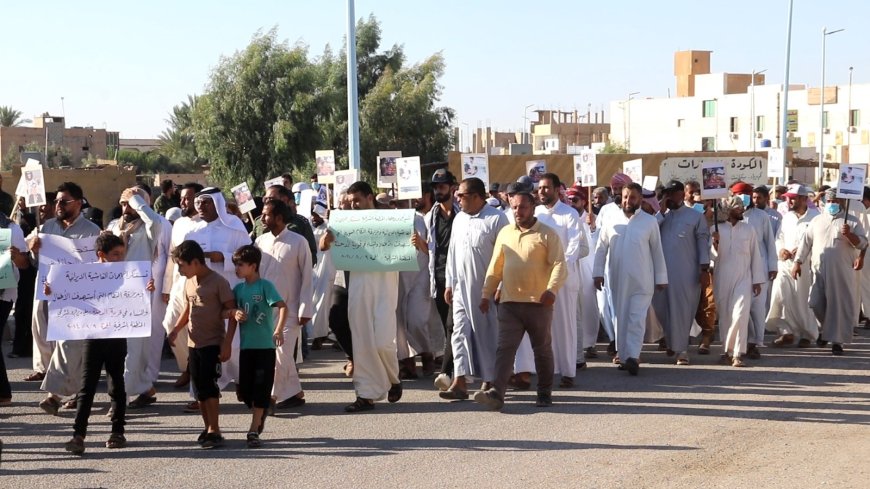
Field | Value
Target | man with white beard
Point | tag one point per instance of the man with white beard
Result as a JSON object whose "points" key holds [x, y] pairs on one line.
{"points": [[475, 332], [761, 222], [630, 247], [564, 220], [839, 238], [790, 312]]}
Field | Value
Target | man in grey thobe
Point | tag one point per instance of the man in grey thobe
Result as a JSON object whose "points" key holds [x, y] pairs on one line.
{"points": [[686, 245]]}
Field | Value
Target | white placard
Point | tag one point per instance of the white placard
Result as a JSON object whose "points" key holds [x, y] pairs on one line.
{"points": [[274, 181], [536, 168], [306, 200], [387, 168], [714, 180], [851, 183], [325, 161], [31, 186], [776, 163], [244, 198], [650, 182], [749, 169], [343, 180], [634, 170], [408, 178], [476, 166], [57, 250], [99, 300], [586, 168]]}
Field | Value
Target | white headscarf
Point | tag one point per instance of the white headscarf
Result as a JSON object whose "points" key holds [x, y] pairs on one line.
{"points": [[220, 204]]}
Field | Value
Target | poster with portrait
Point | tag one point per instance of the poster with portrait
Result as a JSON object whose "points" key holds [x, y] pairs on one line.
{"points": [[851, 184], [31, 186], [273, 181], [325, 161], [476, 166], [387, 168], [586, 168], [776, 163], [714, 180], [536, 168], [408, 180], [244, 198], [343, 180], [634, 170]]}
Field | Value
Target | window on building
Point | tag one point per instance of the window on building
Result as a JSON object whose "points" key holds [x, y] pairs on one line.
{"points": [[709, 109], [759, 123], [708, 143], [855, 117], [733, 124], [825, 119], [681, 122]]}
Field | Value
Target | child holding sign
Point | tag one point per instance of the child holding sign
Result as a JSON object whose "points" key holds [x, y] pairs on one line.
{"points": [[99, 352], [260, 335], [208, 300]]}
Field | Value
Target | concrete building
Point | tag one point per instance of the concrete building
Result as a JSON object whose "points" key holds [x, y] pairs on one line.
{"points": [[141, 145], [728, 112], [555, 130], [78, 142]]}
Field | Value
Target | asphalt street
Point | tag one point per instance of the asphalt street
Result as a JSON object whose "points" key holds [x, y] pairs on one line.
{"points": [[795, 418]]}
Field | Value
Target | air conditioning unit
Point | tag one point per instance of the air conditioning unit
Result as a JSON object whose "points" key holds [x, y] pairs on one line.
{"points": [[827, 131], [733, 135], [759, 135], [853, 129]]}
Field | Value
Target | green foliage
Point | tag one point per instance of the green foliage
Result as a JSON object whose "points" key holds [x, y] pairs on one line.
{"points": [[614, 148], [149, 162], [10, 117], [177, 141], [12, 157]]}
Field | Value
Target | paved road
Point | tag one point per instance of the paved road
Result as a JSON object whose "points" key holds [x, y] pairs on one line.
{"points": [[796, 418]]}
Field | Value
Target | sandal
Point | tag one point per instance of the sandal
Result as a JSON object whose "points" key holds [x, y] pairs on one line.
{"points": [[348, 368], [566, 383], [72, 404], [76, 445], [361, 404], [254, 440], [141, 401], [116, 440], [395, 393]]}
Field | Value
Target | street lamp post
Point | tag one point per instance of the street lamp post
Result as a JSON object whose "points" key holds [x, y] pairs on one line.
{"points": [[752, 107], [628, 122], [825, 35], [849, 115], [526, 130]]}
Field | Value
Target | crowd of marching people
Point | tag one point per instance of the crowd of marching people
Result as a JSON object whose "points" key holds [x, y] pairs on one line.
{"points": [[522, 280]]}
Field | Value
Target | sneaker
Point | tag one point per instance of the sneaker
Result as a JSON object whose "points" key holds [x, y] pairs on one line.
{"points": [[490, 399], [545, 399], [213, 440], [76, 445], [50, 405], [836, 349], [443, 382], [202, 436]]}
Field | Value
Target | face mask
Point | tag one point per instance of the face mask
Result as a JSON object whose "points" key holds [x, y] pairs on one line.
{"points": [[833, 208], [746, 200], [315, 186], [699, 207], [297, 197]]}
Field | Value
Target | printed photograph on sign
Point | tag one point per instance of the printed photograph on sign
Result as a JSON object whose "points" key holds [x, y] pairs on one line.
{"points": [[585, 169], [244, 198], [408, 178], [273, 181], [776, 163], [387, 168], [475, 166], [634, 170], [34, 186], [536, 168], [344, 179], [325, 161], [714, 182], [851, 182]]}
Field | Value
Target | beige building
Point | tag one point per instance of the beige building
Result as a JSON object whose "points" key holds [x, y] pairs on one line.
{"points": [[555, 130], [79, 142]]}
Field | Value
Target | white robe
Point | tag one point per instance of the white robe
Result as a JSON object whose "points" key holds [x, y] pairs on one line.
{"points": [[761, 223], [372, 298], [563, 219], [475, 334], [790, 311], [738, 265], [287, 264], [588, 315], [834, 296], [631, 250], [415, 304], [324, 279], [608, 213]]}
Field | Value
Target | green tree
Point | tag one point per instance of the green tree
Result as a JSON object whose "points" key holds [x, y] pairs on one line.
{"points": [[177, 141], [10, 117], [611, 147]]}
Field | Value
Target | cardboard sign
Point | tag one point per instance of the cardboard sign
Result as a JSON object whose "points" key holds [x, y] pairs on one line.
{"points": [[536, 168], [325, 161], [851, 183], [714, 180], [476, 166], [586, 168], [244, 198], [408, 178], [387, 168], [373, 240], [634, 170]]}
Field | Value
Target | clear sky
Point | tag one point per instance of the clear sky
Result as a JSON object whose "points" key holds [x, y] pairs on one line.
{"points": [[124, 64]]}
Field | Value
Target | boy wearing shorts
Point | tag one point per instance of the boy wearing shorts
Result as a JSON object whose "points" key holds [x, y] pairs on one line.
{"points": [[255, 298], [208, 300]]}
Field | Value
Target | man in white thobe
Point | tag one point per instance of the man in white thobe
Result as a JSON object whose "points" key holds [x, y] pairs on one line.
{"points": [[760, 221], [324, 277], [739, 273], [839, 239], [475, 333], [686, 245], [790, 314], [287, 264], [588, 315], [630, 247], [414, 309]]}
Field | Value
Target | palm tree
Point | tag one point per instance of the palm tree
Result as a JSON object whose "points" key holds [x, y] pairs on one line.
{"points": [[10, 117]]}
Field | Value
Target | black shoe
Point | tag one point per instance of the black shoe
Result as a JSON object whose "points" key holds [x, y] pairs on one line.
{"points": [[360, 405], [213, 440], [821, 343], [545, 399], [632, 366], [837, 349], [611, 348], [202, 436], [581, 366], [590, 352], [752, 352], [395, 393], [291, 402]]}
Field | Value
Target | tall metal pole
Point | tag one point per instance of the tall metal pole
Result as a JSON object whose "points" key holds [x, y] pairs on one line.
{"points": [[352, 96], [783, 137], [849, 117], [825, 35], [752, 107]]}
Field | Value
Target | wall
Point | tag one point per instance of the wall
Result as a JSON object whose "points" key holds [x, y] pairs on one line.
{"points": [[74, 139]]}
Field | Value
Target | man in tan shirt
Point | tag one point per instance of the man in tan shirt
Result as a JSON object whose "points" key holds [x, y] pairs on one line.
{"points": [[529, 264]]}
